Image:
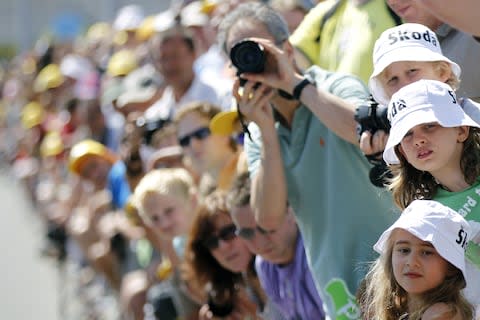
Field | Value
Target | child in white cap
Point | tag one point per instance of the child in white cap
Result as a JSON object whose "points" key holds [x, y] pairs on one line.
{"points": [[405, 54], [434, 153], [420, 273]]}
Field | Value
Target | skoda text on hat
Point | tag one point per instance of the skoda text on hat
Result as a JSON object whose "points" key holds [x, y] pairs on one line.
{"points": [[421, 102], [431, 221], [407, 42]]}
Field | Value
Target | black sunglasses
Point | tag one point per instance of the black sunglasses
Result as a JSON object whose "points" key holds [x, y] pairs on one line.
{"points": [[249, 233], [199, 134], [226, 233]]}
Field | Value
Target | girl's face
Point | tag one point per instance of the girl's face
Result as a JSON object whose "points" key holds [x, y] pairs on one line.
{"points": [[232, 252], [203, 148], [433, 148], [399, 74], [168, 214], [417, 266]]}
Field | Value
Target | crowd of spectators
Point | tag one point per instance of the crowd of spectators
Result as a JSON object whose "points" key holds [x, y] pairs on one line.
{"points": [[198, 185]]}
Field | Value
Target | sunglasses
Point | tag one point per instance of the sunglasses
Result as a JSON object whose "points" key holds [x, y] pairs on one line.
{"points": [[249, 233], [199, 134], [226, 233]]}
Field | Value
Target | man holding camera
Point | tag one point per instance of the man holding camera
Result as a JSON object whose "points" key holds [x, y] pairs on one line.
{"points": [[303, 149]]}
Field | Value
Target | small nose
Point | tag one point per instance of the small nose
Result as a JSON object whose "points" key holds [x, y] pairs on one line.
{"points": [[412, 261], [418, 138]]}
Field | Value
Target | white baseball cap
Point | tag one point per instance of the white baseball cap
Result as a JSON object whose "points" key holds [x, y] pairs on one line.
{"points": [[421, 102], [431, 221], [129, 17], [139, 85], [406, 42]]}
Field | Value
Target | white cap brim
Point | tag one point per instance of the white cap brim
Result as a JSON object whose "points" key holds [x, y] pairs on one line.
{"points": [[454, 117]]}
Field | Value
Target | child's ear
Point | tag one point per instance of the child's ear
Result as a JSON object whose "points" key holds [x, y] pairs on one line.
{"points": [[463, 132]]}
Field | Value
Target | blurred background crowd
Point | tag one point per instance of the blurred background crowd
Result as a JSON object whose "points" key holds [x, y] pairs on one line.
{"points": [[126, 137]]}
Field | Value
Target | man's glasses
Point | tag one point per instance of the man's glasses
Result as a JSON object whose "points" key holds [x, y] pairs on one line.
{"points": [[226, 233], [249, 233], [199, 134]]}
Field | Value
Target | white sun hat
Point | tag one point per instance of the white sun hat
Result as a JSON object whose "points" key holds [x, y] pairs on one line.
{"points": [[129, 17], [431, 221], [421, 102], [406, 42]]}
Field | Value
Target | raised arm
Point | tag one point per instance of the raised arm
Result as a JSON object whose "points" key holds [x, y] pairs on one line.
{"points": [[269, 191]]}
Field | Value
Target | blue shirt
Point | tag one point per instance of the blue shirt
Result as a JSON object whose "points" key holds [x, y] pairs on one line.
{"points": [[291, 287]]}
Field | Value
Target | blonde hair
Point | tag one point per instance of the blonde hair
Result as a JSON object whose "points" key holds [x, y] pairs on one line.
{"points": [[383, 298], [441, 68], [176, 182]]}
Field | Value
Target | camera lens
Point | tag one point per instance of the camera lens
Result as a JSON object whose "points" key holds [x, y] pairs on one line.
{"points": [[248, 56]]}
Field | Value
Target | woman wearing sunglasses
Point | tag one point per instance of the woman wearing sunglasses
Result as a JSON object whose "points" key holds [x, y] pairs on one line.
{"points": [[215, 156], [220, 264]]}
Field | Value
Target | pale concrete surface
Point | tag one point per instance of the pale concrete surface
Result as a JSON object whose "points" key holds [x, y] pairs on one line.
{"points": [[29, 283]]}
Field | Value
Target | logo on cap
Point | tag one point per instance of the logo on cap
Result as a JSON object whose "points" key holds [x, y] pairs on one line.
{"points": [[462, 238], [405, 35], [396, 107]]}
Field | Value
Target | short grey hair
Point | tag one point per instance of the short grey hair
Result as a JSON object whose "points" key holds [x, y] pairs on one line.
{"points": [[256, 12]]}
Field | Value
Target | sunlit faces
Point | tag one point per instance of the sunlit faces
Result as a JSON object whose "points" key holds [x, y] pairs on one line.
{"points": [[417, 266], [399, 74], [433, 148], [174, 60], [277, 246], [232, 254], [168, 214], [207, 151]]}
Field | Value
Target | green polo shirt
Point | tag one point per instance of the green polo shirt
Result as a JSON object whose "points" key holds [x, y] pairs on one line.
{"points": [[339, 212]]}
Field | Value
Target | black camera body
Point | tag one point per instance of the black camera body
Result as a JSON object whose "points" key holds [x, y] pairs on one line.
{"points": [[149, 127], [248, 56], [166, 301], [221, 305], [371, 117]]}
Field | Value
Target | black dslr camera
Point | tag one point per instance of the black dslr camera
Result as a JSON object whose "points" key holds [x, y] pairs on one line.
{"points": [[372, 117], [248, 56], [149, 127]]}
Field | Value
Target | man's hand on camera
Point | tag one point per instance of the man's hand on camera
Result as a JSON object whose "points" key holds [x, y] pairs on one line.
{"points": [[254, 104], [279, 68], [373, 143]]}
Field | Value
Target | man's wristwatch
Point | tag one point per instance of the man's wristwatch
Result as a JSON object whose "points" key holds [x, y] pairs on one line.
{"points": [[297, 90]]}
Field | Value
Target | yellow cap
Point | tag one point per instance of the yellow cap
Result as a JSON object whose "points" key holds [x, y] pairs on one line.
{"points": [[164, 269], [146, 29], [224, 123], [51, 145], [98, 31], [121, 63], [32, 115], [209, 5], [84, 150], [48, 78]]}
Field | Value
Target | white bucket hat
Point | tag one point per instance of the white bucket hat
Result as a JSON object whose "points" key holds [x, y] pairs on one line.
{"points": [[420, 102], [139, 85], [431, 221], [406, 42]]}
